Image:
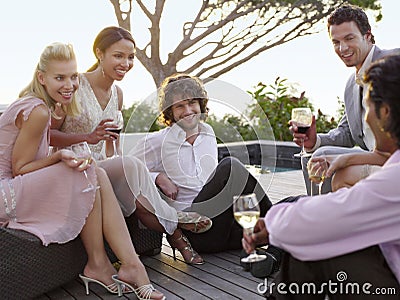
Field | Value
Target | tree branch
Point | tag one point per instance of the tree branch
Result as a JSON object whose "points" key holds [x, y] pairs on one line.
{"points": [[226, 33]]}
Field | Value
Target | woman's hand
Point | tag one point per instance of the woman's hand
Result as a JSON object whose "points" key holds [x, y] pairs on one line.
{"points": [[100, 133], [69, 158]]}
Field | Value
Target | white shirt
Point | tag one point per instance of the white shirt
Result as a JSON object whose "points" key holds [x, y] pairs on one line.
{"points": [[368, 137], [188, 166]]}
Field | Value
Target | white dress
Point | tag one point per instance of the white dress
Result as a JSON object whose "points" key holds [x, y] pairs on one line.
{"points": [[92, 114], [128, 175]]}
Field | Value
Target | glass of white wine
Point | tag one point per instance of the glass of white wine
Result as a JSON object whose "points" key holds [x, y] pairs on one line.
{"points": [[82, 152], [119, 122], [302, 116], [246, 212], [316, 171]]}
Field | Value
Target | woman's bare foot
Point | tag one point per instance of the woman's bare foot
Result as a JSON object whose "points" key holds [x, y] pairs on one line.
{"points": [[193, 222], [179, 241], [101, 273]]}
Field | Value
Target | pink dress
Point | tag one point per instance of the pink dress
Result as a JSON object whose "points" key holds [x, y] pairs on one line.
{"points": [[48, 202]]}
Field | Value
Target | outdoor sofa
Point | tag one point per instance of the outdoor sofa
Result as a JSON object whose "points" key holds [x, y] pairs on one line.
{"points": [[29, 269]]}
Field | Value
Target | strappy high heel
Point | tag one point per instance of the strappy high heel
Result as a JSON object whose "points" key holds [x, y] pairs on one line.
{"points": [[111, 288], [142, 292], [191, 221], [188, 249]]}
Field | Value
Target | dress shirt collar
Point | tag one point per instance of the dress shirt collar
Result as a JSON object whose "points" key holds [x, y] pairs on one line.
{"points": [[180, 134], [367, 62]]}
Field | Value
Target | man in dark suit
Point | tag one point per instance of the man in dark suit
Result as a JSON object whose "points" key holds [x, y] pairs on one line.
{"points": [[354, 43]]}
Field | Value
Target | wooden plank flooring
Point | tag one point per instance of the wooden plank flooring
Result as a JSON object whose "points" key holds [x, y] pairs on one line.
{"points": [[221, 277]]}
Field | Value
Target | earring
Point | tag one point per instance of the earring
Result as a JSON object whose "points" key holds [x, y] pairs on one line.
{"points": [[102, 70], [382, 129]]}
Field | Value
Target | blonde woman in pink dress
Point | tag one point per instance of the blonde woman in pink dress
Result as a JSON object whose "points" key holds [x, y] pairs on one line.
{"points": [[43, 194], [100, 98]]}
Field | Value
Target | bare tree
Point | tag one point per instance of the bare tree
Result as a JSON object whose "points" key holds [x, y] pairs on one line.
{"points": [[226, 33]]}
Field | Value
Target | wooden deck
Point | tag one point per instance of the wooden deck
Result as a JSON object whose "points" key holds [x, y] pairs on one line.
{"points": [[221, 277]]}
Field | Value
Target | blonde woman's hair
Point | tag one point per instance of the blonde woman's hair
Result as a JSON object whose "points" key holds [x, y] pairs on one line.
{"points": [[53, 52]]}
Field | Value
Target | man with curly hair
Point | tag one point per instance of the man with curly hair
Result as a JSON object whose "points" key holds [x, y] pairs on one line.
{"points": [[183, 159]]}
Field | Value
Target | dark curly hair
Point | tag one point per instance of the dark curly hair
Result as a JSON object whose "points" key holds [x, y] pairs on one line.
{"points": [[188, 87], [348, 13], [383, 78]]}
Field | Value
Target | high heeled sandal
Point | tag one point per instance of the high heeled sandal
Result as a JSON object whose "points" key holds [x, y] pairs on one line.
{"points": [[111, 288], [142, 292], [191, 220], [188, 248]]}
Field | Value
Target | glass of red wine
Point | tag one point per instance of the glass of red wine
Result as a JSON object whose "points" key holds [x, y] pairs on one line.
{"points": [[302, 116], [119, 123]]}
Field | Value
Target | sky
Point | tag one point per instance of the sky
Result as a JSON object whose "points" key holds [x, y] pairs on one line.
{"points": [[309, 63]]}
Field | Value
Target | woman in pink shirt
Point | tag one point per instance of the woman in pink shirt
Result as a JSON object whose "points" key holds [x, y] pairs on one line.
{"points": [[44, 194]]}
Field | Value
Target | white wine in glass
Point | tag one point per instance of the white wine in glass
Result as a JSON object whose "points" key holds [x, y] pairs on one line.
{"points": [[316, 173], [246, 212], [82, 152], [302, 116], [119, 122]]}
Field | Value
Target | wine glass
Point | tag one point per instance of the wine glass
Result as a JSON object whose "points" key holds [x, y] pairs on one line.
{"points": [[302, 116], [316, 171], [246, 212], [82, 152], [119, 122]]}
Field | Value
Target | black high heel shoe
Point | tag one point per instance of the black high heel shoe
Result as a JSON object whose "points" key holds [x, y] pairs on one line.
{"points": [[190, 256]]}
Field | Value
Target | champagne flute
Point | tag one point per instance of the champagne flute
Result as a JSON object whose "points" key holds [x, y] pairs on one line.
{"points": [[246, 212], [303, 118], [119, 122], [317, 171], [82, 151]]}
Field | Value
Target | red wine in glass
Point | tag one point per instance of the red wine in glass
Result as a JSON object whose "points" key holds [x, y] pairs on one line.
{"points": [[119, 122], [115, 130], [302, 129], [303, 118]]}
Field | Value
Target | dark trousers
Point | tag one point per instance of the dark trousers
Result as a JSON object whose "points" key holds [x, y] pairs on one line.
{"points": [[215, 201], [348, 275]]}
